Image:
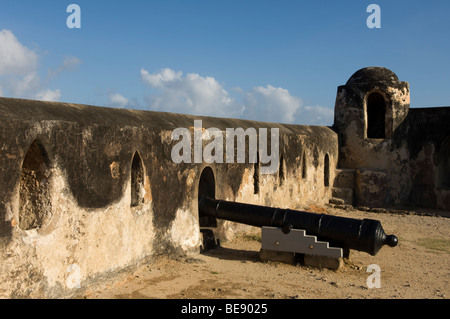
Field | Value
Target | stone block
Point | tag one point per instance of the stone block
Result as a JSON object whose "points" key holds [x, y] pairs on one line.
{"points": [[277, 256], [443, 198], [345, 178], [371, 190], [323, 262], [346, 194]]}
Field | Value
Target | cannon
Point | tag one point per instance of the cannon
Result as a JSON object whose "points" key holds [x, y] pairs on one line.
{"points": [[365, 235]]}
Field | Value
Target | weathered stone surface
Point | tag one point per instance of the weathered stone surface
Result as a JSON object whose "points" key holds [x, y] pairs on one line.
{"points": [[410, 146], [277, 256], [323, 262], [99, 191], [373, 75], [371, 188], [306, 260], [443, 198], [345, 178], [346, 194]]}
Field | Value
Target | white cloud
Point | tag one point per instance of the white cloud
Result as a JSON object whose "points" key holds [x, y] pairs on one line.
{"points": [[118, 100], [165, 77], [68, 64], [49, 95], [19, 70], [15, 58], [315, 115], [191, 94], [198, 95], [271, 104], [22, 86]]}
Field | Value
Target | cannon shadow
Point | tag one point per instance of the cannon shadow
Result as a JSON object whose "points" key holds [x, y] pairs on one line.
{"points": [[233, 254]]}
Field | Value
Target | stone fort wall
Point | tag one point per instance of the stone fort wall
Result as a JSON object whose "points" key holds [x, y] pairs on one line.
{"points": [[86, 191]]}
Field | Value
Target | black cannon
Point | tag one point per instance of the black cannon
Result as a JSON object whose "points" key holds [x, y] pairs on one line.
{"points": [[363, 235]]}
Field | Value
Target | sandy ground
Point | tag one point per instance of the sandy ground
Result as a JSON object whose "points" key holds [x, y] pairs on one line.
{"points": [[418, 268]]}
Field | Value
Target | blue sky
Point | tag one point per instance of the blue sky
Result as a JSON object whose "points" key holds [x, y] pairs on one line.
{"points": [[278, 61]]}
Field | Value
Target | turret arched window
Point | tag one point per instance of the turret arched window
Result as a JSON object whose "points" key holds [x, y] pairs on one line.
{"points": [[376, 116]]}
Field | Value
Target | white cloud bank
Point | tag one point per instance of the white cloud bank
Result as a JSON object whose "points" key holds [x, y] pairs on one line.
{"points": [[118, 100], [18, 71], [49, 95], [14, 57], [198, 95], [271, 104], [192, 94]]}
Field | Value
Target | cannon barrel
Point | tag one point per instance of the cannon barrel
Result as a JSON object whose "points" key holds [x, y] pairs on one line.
{"points": [[363, 235]]}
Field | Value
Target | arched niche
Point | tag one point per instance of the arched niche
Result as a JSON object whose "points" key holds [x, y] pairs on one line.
{"points": [[137, 181], [34, 190], [207, 187]]}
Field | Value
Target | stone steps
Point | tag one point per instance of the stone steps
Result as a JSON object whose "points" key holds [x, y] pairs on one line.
{"points": [[345, 178], [343, 187], [344, 194]]}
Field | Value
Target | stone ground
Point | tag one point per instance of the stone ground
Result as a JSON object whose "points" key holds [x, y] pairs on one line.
{"points": [[418, 268]]}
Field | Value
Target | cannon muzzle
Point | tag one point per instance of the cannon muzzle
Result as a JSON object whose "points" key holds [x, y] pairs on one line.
{"points": [[363, 235]]}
